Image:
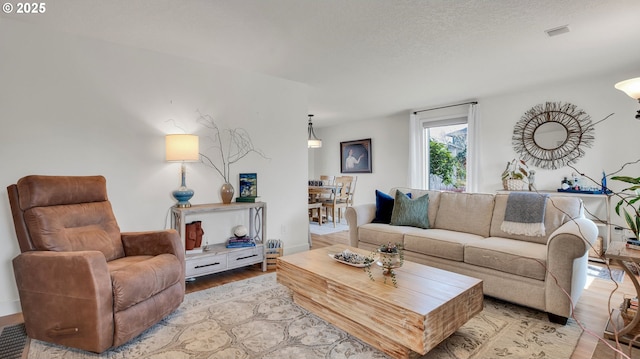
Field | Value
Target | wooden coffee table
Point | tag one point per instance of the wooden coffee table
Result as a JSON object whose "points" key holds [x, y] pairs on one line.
{"points": [[426, 307]]}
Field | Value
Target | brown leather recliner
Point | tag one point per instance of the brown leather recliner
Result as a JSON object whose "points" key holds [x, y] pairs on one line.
{"points": [[82, 283]]}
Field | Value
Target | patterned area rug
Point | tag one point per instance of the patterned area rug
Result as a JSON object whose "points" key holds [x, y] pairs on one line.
{"points": [[256, 318]]}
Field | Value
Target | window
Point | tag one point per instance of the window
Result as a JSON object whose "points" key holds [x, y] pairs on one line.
{"points": [[446, 156], [442, 155]]}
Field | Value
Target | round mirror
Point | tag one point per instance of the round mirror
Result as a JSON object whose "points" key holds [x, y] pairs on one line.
{"points": [[550, 135]]}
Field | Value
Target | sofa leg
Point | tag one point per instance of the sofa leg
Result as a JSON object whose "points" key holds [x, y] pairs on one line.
{"points": [[554, 318]]}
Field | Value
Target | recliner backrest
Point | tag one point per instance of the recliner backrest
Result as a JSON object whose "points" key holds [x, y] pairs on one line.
{"points": [[68, 213]]}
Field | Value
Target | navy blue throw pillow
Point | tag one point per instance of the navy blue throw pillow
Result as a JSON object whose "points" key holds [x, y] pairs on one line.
{"points": [[384, 207]]}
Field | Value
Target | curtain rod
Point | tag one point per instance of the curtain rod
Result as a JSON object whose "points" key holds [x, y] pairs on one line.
{"points": [[441, 107]]}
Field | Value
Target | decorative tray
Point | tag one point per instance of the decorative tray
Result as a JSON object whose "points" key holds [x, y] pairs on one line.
{"points": [[353, 259]]}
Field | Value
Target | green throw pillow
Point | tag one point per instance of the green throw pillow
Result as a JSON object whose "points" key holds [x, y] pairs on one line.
{"points": [[410, 212]]}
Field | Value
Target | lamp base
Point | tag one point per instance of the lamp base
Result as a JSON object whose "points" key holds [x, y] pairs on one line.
{"points": [[183, 195]]}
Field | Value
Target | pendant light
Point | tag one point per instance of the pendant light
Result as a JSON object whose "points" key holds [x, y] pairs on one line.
{"points": [[313, 141]]}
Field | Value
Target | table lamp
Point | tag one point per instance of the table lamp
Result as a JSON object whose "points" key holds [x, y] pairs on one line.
{"points": [[182, 148]]}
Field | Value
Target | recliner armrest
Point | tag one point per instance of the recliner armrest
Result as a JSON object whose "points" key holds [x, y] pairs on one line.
{"points": [[63, 273], [66, 293], [152, 243]]}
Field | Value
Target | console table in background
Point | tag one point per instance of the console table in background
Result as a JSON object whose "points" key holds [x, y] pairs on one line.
{"points": [[217, 257]]}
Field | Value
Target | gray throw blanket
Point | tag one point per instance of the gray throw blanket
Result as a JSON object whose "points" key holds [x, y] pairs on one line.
{"points": [[525, 214]]}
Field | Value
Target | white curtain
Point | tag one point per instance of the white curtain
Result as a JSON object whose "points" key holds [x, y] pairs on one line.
{"points": [[416, 155], [473, 126]]}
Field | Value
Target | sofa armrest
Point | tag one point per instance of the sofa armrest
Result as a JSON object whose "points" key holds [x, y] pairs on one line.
{"points": [[65, 296], [357, 216], [567, 251], [153, 243]]}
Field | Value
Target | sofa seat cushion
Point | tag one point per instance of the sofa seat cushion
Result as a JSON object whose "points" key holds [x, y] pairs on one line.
{"points": [[137, 278], [440, 243], [521, 258], [379, 233]]}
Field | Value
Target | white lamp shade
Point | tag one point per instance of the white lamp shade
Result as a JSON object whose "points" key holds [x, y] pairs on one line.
{"points": [[182, 148], [631, 87], [314, 143]]}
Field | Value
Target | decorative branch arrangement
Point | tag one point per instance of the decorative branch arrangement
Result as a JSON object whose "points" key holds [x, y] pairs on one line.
{"points": [[229, 148]]}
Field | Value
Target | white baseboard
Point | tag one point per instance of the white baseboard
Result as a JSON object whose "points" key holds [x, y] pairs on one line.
{"points": [[295, 249]]}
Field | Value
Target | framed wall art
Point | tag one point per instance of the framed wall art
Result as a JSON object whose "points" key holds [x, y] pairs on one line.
{"points": [[248, 184], [355, 156]]}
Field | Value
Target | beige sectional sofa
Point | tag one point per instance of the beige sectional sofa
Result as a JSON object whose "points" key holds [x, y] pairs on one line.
{"points": [[465, 236]]}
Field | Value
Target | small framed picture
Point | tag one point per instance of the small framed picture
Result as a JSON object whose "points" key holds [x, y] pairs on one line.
{"points": [[248, 185], [355, 156]]}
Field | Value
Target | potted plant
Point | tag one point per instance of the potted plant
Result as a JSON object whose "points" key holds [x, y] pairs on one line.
{"points": [[629, 198], [514, 175], [390, 256]]}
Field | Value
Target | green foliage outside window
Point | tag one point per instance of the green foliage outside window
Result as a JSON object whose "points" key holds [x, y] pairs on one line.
{"points": [[441, 162]]}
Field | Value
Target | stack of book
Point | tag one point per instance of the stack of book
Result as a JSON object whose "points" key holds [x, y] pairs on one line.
{"points": [[250, 199], [240, 242], [633, 243]]}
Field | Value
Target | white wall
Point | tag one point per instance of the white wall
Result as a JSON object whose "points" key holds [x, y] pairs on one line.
{"points": [[389, 151], [615, 139], [71, 106]]}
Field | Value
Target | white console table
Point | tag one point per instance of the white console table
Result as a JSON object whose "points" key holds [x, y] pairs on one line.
{"points": [[216, 257]]}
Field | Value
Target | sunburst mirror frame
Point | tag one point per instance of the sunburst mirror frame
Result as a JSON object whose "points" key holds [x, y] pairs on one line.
{"points": [[576, 123]]}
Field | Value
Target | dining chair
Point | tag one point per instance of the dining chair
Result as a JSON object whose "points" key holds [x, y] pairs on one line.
{"points": [[352, 190], [339, 198], [314, 205], [328, 180]]}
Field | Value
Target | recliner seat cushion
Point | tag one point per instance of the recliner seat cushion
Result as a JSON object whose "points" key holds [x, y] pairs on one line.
{"points": [[521, 258], [142, 277]]}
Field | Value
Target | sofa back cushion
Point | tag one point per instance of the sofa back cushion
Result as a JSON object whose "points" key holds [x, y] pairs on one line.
{"points": [[434, 200], [465, 212], [384, 207], [410, 212], [70, 213], [559, 210]]}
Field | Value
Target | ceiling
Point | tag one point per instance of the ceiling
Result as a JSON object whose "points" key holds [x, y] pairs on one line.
{"points": [[372, 58]]}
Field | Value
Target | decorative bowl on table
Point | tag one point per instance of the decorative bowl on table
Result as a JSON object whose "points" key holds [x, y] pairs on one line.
{"points": [[351, 258]]}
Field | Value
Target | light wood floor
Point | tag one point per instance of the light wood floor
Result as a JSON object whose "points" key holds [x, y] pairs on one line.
{"points": [[590, 310]]}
